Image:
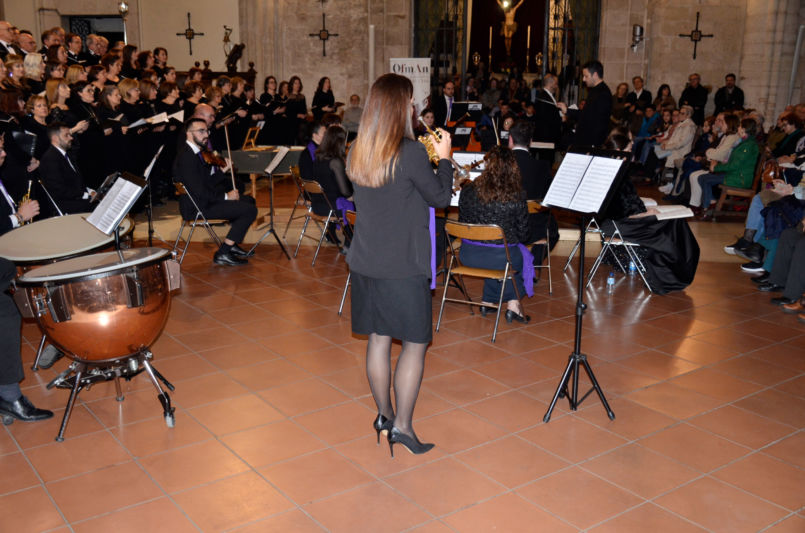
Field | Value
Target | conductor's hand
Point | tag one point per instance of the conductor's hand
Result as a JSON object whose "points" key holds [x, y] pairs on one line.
{"points": [[562, 106], [233, 195], [443, 147], [28, 210]]}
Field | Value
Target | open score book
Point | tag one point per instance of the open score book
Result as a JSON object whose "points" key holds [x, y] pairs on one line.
{"points": [[582, 182]]}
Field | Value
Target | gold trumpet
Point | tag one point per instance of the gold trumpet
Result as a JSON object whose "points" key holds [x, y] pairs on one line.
{"points": [[27, 198], [461, 172]]}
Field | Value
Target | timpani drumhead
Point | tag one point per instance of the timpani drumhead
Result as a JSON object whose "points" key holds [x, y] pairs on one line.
{"points": [[95, 265], [56, 238]]}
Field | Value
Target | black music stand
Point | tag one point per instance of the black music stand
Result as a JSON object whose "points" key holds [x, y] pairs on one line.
{"points": [[584, 184], [270, 226]]}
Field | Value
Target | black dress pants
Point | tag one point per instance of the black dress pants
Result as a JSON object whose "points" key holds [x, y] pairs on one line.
{"points": [[789, 263], [241, 213], [10, 362]]}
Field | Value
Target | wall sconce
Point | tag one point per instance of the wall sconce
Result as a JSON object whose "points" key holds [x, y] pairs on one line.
{"points": [[637, 36], [123, 9]]}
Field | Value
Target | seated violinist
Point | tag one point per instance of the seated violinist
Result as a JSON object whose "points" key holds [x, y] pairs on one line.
{"points": [[213, 192]]}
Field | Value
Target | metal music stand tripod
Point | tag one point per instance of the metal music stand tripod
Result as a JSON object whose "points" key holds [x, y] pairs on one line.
{"points": [[270, 227], [577, 359]]}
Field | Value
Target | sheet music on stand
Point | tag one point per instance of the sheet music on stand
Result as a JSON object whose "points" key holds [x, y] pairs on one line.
{"points": [[282, 151], [116, 204], [153, 162], [583, 182]]}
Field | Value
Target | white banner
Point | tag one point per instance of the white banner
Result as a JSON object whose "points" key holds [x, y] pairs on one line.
{"points": [[417, 69]]}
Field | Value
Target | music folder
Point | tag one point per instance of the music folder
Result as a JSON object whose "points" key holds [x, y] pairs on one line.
{"points": [[114, 207], [584, 181]]}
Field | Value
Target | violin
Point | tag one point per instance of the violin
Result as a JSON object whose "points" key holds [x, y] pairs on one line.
{"points": [[211, 158]]}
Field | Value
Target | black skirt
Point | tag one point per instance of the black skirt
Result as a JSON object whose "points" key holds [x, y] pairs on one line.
{"points": [[397, 308]]}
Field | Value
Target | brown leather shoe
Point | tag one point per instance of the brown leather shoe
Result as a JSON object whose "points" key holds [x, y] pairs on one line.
{"points": [[794, 307]]}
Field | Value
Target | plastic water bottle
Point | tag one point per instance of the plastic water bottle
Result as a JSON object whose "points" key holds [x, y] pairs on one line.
{"points": [[611, 283], [632, 268]]}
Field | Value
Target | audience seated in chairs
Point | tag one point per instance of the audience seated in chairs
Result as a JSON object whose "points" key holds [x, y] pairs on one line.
{"points": [[738, 171], [497, 197], [679, 143]]}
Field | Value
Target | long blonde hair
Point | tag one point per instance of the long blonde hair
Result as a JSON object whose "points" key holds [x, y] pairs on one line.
{"points": [[386, 121]]}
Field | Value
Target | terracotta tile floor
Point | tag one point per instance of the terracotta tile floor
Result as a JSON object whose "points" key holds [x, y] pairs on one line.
{"points": [[273, 417]]}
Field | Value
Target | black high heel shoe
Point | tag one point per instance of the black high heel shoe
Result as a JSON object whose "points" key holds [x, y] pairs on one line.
{"points": [[382, 424], [511, 315], [411, 444]]}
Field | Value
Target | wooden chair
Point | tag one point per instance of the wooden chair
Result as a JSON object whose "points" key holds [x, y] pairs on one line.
{"points": [[207, 223], [476, 232], [351, 216], [301, 200], [736, 196], [310, 187], [533, 208]]}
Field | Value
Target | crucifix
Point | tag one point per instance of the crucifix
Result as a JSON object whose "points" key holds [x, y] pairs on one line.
{"points": [[323, 34], [189, 34], [696, 35]]}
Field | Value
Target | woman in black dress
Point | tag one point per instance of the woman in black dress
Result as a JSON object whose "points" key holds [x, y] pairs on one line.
{"points": [[323, 99], [390, 254], [330, 172], [296, 110]]}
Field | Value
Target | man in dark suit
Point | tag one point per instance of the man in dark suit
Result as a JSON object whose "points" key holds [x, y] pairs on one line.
{"points": [[442, 105], [548, 122], [7, 41], [536, 176], [26, 42], [59, 174], [592, 126], [213, 192], [12, 402], [91, 56]]}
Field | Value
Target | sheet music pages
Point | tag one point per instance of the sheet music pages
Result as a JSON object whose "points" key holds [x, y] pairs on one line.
{"points": [[567, 180], [115, 205], [153, 162], [595, 185], [281, 152]]}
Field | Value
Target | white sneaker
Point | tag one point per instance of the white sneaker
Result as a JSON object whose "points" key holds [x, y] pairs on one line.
{"points": [[666, 189]]}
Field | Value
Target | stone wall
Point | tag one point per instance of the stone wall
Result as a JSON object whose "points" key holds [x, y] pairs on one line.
{"points": [[278, 41]]}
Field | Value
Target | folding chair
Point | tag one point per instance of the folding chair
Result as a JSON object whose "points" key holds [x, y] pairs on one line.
{"points": [[199, 219], [592, 227], [536, 207], [351, 221], [310, 187], [476, 232], [301, 199], [616, 239]]}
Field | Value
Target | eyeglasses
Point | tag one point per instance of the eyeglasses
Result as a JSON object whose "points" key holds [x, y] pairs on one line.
{"points": [[200, 131]]}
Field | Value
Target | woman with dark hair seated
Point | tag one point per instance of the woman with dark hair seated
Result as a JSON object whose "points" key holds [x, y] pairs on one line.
{"points": [[329, 170], [497, 197], [668, 249]]}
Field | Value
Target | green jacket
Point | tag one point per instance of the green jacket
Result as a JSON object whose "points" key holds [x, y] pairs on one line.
{"points": [[740, 168]]}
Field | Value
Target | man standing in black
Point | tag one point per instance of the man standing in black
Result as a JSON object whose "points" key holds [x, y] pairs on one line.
{"points": [[695, 95], [592, 126], [730, 97], [442, 105], [548, 123], [213, 192]]}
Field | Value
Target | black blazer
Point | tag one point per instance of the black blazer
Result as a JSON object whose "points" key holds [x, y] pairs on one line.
{"points": [[63, 182], [207, 188], [548, 122], [391, 239], [536, 174], [593, 121], [439, 106], [5, 215]]}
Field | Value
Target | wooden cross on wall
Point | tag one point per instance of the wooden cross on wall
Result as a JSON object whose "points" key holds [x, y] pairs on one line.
{"points": [[323, 34], [696, 35], [190, 34]]}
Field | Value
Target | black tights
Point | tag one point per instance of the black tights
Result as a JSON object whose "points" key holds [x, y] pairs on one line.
{"points": [[407, 379]]}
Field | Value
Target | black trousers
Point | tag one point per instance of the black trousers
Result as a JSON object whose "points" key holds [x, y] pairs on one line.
{"points": [[789, 263], [10, 361], [241, 213]]}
